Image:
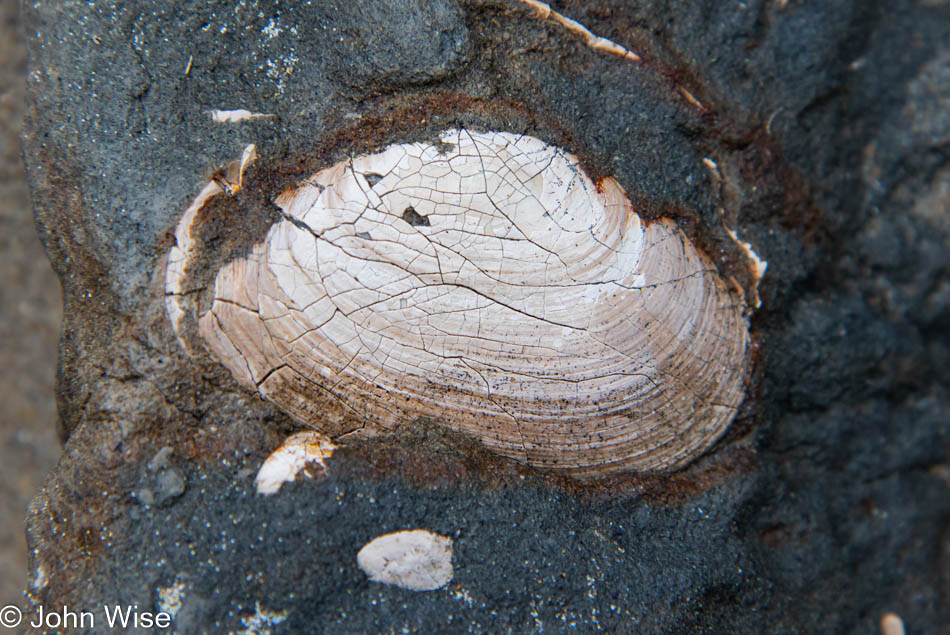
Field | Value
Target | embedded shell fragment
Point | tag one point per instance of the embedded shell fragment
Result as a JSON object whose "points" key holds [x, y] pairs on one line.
{"points": [[293, 456], [413, 559], [484, 281]]}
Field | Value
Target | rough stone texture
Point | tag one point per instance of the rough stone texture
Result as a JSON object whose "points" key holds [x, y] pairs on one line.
{"points": [[29, 324], [826, 505]]}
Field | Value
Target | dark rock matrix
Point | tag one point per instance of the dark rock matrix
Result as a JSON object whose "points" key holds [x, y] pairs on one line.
{"points": [[819, 133]]}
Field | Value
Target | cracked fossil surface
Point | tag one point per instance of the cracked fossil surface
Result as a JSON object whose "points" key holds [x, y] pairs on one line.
{"points": [[483, 281]]}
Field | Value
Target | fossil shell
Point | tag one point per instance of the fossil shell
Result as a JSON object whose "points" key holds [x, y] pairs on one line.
{"points": [[485, 281], [293, 456], [413, 559]]}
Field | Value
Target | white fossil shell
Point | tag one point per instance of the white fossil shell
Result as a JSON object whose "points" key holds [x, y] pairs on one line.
{"points": [[293, 456], [486, 282], [414, 559]]}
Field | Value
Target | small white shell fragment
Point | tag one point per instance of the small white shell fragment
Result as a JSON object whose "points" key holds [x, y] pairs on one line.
{"points": [[544, 11], [180, 254], [284, 463], [234, 175], [758, 265], [178, 258], [233, 116], [892, 624], [692, 99], [414, 559]]}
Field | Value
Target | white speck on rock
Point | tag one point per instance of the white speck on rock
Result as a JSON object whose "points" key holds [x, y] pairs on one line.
{"points": [[283, 465], [234, 116], [415, 559], [261, 622], [169, 598], [40, 579], [272, 30]]}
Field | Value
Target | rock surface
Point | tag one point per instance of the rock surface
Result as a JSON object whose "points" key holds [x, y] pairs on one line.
{"points": [[29, 326], [817, 132]]}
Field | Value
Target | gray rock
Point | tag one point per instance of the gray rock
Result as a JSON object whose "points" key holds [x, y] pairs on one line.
{"points": [[161, 481], [823, 508]]}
